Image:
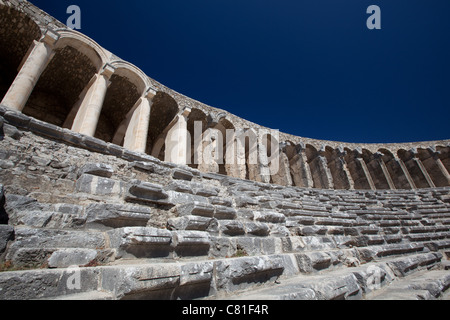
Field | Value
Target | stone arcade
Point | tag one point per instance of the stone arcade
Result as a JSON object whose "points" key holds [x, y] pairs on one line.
{"points": [[98, 173]]}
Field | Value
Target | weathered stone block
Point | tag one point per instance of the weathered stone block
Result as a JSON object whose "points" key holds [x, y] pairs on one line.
{"points": [[241, 273], [257, 228], [142, 282], [197, 208], [206, 192], [191, 243], [141, 242], [70, 257], [96, 169], [231, 227], [190, 222], [147, 192], [182, 174], [269, 216], [223, 212], [45, 128], [117, 216], [94, 144], [39, 284], [17, 119], [313, 261], [96, 185]]}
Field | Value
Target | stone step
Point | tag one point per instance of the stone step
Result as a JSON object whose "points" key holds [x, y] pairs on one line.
{"points": [[90, 295], [423, 286], [338, 284], [144, 280]]}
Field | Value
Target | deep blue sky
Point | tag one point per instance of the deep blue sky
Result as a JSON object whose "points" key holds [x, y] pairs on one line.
{"points": [[306, 67]]}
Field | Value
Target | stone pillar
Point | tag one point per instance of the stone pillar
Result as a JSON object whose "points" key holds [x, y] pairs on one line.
{"points": [[364, 168], [263, 159], [422, 168], [379, 158], [283, 176], [235, 154], [25, 81], [88, 114], [137, 129], [178, 141], [405, 172], [435, 154], [301, 173], [210, 150], [340, 160], [327, 178]]}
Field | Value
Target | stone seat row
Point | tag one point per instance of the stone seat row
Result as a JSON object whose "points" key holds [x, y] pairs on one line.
{"points": [[203, 217], [221, 277], [40, 246]]}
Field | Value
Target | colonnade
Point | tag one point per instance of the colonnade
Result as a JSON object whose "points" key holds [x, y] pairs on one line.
{"points": [[67, 79]]}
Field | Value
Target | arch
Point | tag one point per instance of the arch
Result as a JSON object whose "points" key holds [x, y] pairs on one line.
{"points": [[299, 167], [83, 44], [164, 110], [398, 175], [337, 167], [444, 155], [61, 87], [316, 165], [228, 165], [124, 92], [132, 73], [430, 160], [17, 33], [355, 165], [197, 124], [415, 171], [375, 173], [271, 168]]}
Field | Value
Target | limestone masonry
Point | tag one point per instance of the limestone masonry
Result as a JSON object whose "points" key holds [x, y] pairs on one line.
{"points": [[102, 196]]}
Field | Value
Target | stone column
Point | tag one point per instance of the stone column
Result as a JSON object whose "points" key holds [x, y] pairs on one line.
{"points": [[327, 178], [379, 157], [87, 117], [422, 168], [340, 152], [137, 129], [364, 168], [25, 81], [435, 154], [210, 151], [405, 172], [178, 141], [235, 154], [283, 175], [301, 173], [263, 159]]}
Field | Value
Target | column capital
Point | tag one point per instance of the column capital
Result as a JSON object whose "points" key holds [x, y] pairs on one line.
{"points": [[186, 111], [108, 70], [413, 152], [358, 152], [378, 155], [150, 93], [50, 37], [433, 152]]}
